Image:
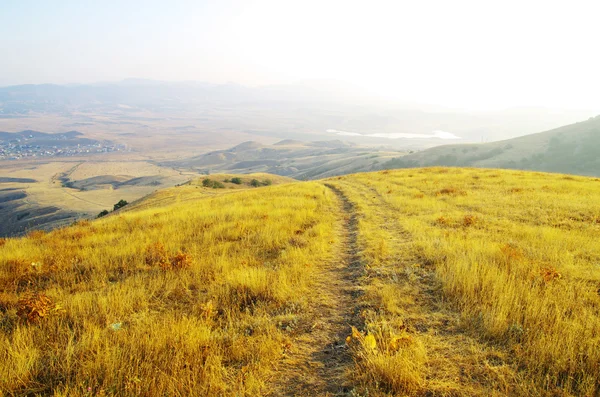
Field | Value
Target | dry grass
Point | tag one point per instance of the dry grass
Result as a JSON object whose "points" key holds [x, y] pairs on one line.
{"points": [[476, 283], [177, 299], [498, 292]]}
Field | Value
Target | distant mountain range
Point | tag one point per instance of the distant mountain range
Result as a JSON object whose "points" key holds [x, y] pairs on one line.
{"points": [[313, 110], [572, 149]]}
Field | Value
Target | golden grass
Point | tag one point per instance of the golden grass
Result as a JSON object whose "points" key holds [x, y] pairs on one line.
{"points": [[176, 299], [476, 283], [511, 256]]}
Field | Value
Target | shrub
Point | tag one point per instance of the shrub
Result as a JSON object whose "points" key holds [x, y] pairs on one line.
{"points": [[214, 184], [120, 204], [254, 183], [550, 273], [179, 261], [267, 182], [469, 220], [236, 180], [34, 306], [102, 213], [443, 221], [156, 255]]}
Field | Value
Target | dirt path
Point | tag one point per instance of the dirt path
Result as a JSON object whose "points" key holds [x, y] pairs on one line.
{"points": [[458, 363], [319, 358]]}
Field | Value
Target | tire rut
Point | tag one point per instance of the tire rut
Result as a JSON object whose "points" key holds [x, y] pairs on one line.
{"points": [[319, 359]]}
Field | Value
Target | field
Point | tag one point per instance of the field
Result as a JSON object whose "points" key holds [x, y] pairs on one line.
{"points": [[420, 282], [56, 193]]}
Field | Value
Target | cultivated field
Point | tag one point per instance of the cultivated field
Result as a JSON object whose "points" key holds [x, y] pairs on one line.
{"points": [[421, 282]]}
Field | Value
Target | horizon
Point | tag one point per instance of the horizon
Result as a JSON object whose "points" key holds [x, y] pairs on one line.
{"points": [[463, 55], [370, 97]]}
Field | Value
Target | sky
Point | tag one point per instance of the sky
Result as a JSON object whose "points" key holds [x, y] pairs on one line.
{"points": [[475, 54]]}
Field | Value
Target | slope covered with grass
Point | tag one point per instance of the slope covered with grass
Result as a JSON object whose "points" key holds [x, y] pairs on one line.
{"points": [[571, 149], [424, 282], [188, 298], [478, 282]]}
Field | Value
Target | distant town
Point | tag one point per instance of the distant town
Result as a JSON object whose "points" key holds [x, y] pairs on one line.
{"points": [[31, 145]]}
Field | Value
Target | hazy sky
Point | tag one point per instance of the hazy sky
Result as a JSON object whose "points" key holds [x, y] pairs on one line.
{"points": [[462, 53]]}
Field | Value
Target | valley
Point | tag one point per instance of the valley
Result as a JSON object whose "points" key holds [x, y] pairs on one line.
{"points": [[299, 199], [57, 193]]}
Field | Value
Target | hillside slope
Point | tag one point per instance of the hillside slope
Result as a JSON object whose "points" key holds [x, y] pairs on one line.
{"points": [[572, 149], [439, 281], [299, 160]]}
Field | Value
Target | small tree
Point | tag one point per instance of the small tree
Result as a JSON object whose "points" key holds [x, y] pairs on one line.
{"points": [[236, 180], [254, 183], [102, 213], [214, 184], [120, 204]]}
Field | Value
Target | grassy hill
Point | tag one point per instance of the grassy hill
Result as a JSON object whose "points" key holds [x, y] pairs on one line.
{"points": [[570, 149], [295, 159], [438, 281]]}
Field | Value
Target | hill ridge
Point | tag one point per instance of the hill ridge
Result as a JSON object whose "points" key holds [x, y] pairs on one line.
{"points": [[570, 149]]}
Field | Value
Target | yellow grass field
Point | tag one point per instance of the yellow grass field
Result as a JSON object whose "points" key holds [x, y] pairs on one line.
{"points": [[419, 282]]}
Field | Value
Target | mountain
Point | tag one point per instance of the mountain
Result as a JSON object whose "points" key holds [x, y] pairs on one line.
{"points": [[420, 282], [295, 159], [573, 149]]}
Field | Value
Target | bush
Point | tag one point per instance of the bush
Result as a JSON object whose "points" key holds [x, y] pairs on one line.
{"points": [[236, 180], [214, 184], [156, 255], [102, 213], [34, 306], [257, 183], [179, 261], [120, 204]]}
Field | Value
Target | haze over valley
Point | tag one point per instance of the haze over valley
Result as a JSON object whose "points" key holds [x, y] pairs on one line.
{"points": [[142, 130]]}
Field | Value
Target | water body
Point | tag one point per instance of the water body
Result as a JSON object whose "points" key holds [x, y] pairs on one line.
{"points": [[437, 134]]}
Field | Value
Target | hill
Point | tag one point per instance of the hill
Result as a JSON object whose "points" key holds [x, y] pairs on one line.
{"points": [[571, 149], [295, 159], [413, 282], [46, 194]]}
